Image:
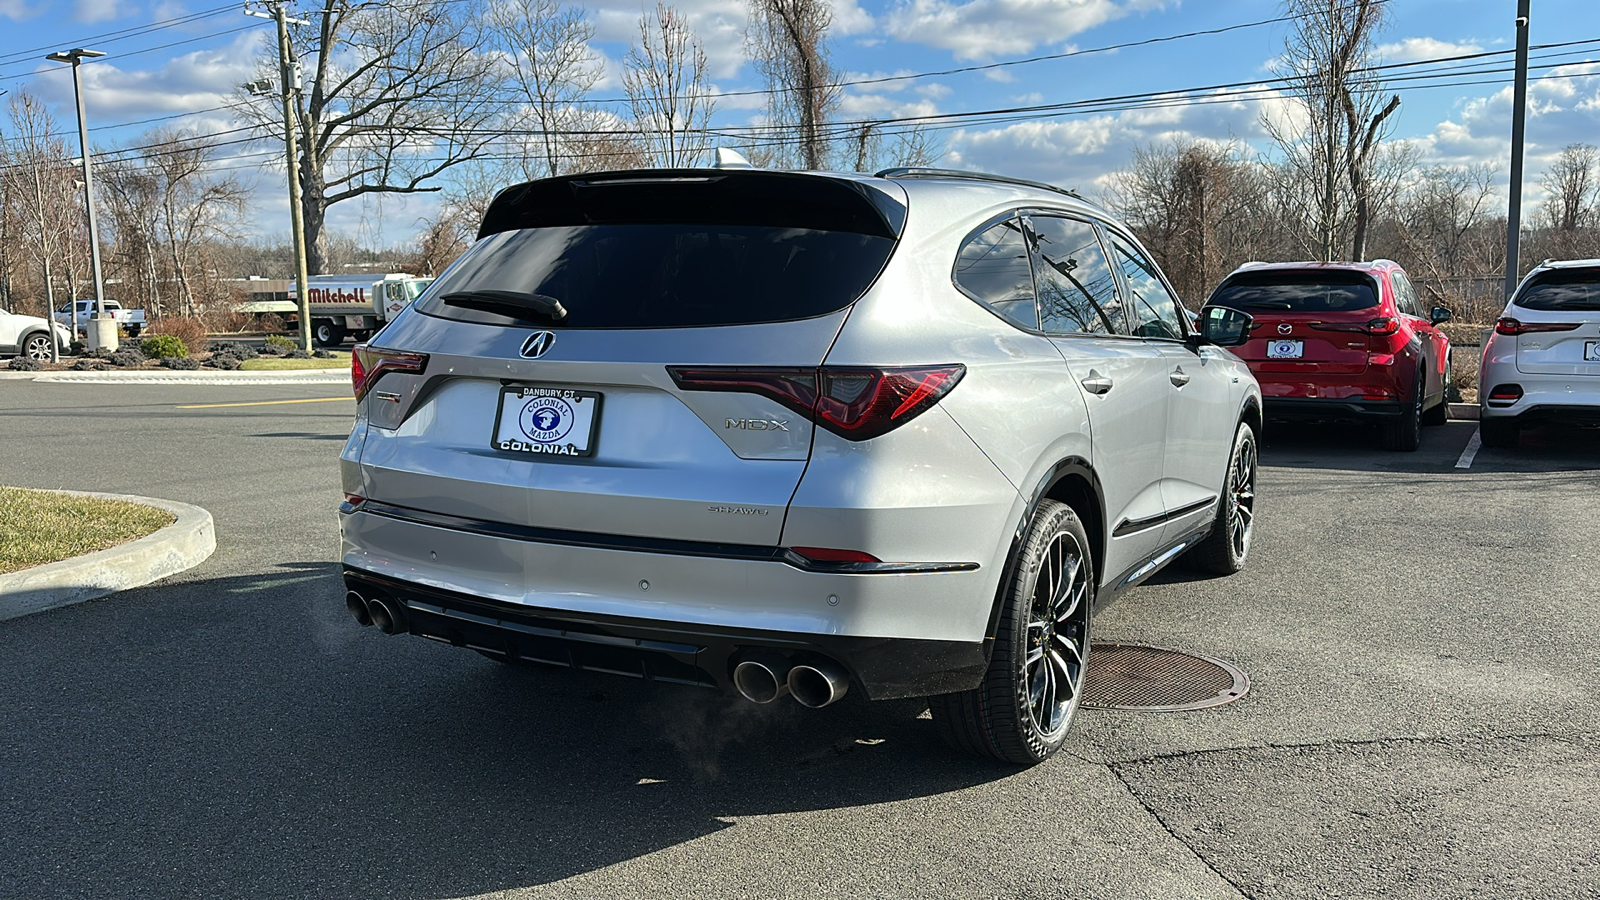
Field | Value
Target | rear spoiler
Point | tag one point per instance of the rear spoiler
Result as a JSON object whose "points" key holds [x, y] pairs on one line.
{"points": [[754, 197]]}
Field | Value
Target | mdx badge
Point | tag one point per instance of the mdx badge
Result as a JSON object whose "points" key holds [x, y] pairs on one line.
{"points": [[538, 344], [758, 424]]}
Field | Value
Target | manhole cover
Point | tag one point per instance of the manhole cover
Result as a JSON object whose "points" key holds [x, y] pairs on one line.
{"points": [[1128, 676]]}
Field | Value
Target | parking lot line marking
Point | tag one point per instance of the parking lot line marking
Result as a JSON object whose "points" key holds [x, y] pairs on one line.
{"points": [[1471, 452], [265, 403]]}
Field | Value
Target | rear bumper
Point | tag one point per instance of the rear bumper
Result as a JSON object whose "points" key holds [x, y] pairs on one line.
{"points": [[1308, 409], [884, 668], [1522, 413]]}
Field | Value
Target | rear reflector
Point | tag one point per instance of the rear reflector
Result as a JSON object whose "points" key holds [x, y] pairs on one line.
{"points": [[1510, 326], [828, 554], [1506, 393], [855, 403], [368, 364]]}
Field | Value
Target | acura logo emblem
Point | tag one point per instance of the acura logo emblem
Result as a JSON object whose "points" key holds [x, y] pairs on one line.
{"points": [[1284, 328], [538, 344]]}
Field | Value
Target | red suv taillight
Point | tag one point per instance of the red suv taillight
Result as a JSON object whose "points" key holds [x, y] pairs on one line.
{"points": [[368, 364], [1513, 327], [855, 403]]}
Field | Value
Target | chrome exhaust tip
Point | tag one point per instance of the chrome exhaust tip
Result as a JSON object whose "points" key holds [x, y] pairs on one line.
{"points": [[386, 615], [357, 605], [816, 685], [761, 680]]}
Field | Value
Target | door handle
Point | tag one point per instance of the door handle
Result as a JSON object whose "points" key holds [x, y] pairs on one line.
{"points": [[1096, 383], [1179, 377]]}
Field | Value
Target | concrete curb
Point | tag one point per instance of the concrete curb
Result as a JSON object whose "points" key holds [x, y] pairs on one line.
{"points": [[182, 545], [153, 376], [1464, 411]]}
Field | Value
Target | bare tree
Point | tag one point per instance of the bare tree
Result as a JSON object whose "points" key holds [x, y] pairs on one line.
{"points": [[552, 67], [398, 91], [788, 42], [1329, 155], [1200, 208], [1571, 186], [130, 199], [42, 187], [665, 80]]}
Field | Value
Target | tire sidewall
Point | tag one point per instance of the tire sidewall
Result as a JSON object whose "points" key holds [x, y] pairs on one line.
{"points": [[1244, 436], [1048, 522]]}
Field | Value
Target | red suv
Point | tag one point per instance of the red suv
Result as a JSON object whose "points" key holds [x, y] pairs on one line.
{"points": [[1343, 341]]}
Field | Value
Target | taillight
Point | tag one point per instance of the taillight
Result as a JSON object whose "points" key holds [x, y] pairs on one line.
{"points": [[855, 403], [368, 364], [1513, 327], [1383, 326]]}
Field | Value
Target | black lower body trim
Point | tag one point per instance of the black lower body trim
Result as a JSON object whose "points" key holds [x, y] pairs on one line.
{"points": [[1569, 415], [1312, 409], [883, 668]]}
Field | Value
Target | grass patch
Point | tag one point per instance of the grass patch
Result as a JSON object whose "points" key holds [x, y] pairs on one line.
{"points": [[38, 527], [275, 364]]}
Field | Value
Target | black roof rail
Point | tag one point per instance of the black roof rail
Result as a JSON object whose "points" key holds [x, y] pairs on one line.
{"points": [[924, 172]]}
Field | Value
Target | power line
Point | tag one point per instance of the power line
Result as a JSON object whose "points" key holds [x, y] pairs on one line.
{"points": [[113, 36]]}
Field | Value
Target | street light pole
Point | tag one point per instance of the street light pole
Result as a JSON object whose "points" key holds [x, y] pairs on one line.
{"points": [[1519, 124], [292, 151], [98, 334]]}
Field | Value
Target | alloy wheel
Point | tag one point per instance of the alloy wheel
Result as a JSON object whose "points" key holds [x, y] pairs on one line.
{"points": [[1242, 499], [1057, 635], [38, 348]]}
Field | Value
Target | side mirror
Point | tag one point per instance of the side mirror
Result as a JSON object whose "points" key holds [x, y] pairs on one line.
{"points": [[1224, 326], [1439, 314]]}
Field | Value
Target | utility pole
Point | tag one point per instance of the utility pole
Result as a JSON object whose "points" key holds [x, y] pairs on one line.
{"points": [[287, 87], [99, 334], [1519, 124]]}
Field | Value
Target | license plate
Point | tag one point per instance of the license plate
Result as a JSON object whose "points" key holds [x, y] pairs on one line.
{"points": [[550, 420], [1591, 351], [1286, 349]]}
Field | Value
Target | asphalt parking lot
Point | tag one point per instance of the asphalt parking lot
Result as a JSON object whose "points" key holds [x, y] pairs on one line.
{"points": [[1423, 642]]}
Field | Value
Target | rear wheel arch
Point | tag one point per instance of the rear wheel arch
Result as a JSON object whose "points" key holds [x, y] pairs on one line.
{"points": [[1252, 416], [1071, 481]]}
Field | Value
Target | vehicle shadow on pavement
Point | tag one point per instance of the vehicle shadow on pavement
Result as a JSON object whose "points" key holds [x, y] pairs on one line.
{"points": [[242, 736]]}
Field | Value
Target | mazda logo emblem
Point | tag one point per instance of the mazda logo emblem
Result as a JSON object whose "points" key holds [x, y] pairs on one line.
{"points": [[1285, 328], [538, 344]]}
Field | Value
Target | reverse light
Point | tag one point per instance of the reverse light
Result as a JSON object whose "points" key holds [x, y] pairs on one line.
{"points": [[1513, 327], [856, 403], [368, 364]]}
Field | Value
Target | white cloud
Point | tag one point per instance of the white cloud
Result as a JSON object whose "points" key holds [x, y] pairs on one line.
{"points": [[719, 24], [850, 18], [1412, 49], [87, 11], [982, 29], [17, 10]]}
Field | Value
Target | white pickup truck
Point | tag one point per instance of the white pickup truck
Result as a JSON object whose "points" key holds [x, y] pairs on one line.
{"points": [[341, 305], [129, 320]]}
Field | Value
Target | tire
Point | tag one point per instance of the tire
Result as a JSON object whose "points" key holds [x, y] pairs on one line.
{"points": [[1405, 432], [36, 346], [326, 334], [1227, 548], [1018, 714], [1438, 414], [1498, 433]]}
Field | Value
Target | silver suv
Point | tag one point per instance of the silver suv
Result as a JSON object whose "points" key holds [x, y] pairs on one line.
{"points": [[796, 433]]}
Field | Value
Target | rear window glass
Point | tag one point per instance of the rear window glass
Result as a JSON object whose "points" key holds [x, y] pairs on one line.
{"points": [[1579, 290], [657, 275], [1297, 292]]}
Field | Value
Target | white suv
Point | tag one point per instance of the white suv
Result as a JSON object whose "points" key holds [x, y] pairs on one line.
{"points": [[28, 336], [1542, 363], [796, 433]]}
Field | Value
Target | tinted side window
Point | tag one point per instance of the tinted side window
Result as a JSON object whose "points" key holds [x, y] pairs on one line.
{"points": [[1152, 311], [1077, 292], [993, 267], [1406, 295]]}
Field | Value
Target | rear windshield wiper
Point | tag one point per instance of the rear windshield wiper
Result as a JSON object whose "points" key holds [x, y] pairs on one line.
{"points": [[515, 304], [1257, 304]]}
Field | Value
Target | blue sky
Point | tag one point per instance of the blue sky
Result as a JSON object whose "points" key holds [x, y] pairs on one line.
{"points": [[190, 66]]}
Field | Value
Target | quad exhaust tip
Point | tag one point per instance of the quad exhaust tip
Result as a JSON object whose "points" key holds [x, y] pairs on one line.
{"points": [[816, 685], [383, 612], [761, 679]]}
